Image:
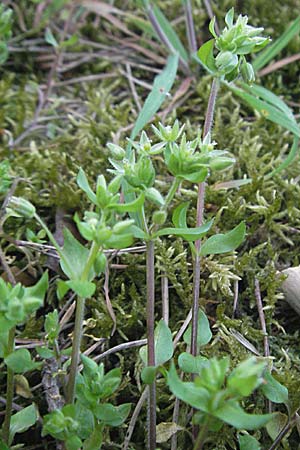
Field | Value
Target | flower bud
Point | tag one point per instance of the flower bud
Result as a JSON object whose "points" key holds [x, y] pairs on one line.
{"points": [[247, 73], [159, 217], [226, 62], [21, 207], [221, 163], [117, 152]]}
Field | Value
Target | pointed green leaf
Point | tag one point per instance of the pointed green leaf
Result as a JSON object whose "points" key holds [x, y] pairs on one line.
{"points": [[20, 361], [247, 442], [84, 289], [191, 364], [148, 374], [204, 332], [154, 196], [112, 415], [39, 289], [275, 48], [161, 86], [163, 344], [268, 110], [195, 396], [50, 39], [133, 206], [274, 390], [275, 426], [22, 421], [206, 56], [75, 256], [222, 243], [179, 215], [189, 234], [171, 36], [233, 414], [83, 183], [95, 439]]}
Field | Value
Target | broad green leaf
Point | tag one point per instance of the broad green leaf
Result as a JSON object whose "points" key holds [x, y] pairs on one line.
{"points": [[84, 289], [112, 415], [39, 289], [73, 443], [161, 86], [233, 414], [279, 420], [83, 183], [191, 364], [247, 442], [272, 50], [139, 233], [95, 439], [171, 36], [22, 421], [133, 206], [274, 390], [206, 56], [246, 377], [268, 110], [195, 396], [222, 243], [75, 255], [20, 361], [61, 289], [163, 344], [45, 352], [148, 374], [189, 234], [179, 215], [204, 333]]}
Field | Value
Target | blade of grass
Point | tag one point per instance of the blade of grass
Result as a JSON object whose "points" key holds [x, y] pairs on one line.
{"points": [[272, 50], [166, 34], [161, 86]]}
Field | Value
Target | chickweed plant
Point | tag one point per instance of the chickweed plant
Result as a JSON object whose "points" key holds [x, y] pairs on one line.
{"points": [[130, 205]]}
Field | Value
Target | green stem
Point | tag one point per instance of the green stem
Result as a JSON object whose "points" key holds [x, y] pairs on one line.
{"points": [[202, 434], [151, 342], [79, 316], [77, 333], [9, 388]]}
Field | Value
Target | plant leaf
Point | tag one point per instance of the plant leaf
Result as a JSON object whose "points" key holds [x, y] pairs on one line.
{"points": [[22, 421], [222, 243], [232, 413], [161, 86], [275, 425], [133, 206], [189, 363], [189, 234], [148, 374], [112, 415], [272, 50], [171, 36], [274, 390], [179, 215], [206, 56], [20, 361], [75, 255], [247, 442], [204, 333], [84, 289], [163, 344], [165, 430], [83, 183]]}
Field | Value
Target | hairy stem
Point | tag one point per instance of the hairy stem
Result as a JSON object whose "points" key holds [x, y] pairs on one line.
{"points": [[9, 388], [151, 344]]}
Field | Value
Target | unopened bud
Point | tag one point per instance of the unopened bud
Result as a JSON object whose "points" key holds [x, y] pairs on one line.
{"points": [[247, 73], [159, 217], [116, 151], [221, 163], [226, 61], [21, 207]]}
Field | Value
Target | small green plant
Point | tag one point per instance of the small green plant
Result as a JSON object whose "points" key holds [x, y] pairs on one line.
{"points": [[5, 31], [81, 424]]}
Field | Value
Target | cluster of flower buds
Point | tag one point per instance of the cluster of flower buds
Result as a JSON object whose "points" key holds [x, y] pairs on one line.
{"points": [[236, 40]]}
